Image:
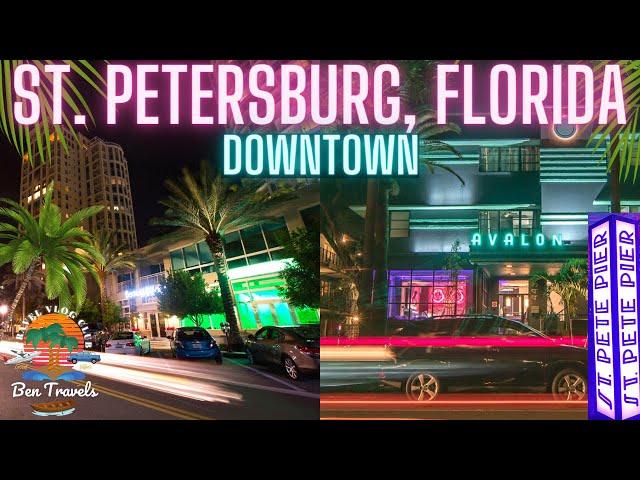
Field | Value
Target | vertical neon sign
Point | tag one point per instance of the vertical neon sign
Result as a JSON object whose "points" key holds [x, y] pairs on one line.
{"points": [[614, 369]]}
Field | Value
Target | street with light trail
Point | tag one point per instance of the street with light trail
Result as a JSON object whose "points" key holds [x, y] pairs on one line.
{"points": [[157, 388], [453, 406]]}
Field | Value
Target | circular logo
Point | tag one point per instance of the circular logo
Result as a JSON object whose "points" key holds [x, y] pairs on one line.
{"points": [[53, 337]]}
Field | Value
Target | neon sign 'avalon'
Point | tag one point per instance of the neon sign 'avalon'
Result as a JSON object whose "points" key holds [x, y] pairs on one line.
{"points": [[510, 240]]}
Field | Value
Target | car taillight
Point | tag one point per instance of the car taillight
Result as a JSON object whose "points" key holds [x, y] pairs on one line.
{"points": [[130, 344], [108, 345], [308, 350]]}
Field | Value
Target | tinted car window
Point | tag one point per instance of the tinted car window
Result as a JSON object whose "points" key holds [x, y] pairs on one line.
{"points": [[434, 327], [511, 328], [193, 335], [308, 333], [122, 336], [262, 334]]}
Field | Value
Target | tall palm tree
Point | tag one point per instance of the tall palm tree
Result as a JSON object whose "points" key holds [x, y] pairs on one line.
{"points": [[33, 140], [374, 289], [206, 208], [623, 146], [61, 249], [34, 292], [113, 257]]}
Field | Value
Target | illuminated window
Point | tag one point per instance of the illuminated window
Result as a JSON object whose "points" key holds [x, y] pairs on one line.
{"points": [[421, 294], [513, 221], [510, 159], [399, 224]]}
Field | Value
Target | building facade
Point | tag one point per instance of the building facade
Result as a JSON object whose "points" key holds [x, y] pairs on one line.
{"points": [[255, 258], [481, 246], [89, 172]]}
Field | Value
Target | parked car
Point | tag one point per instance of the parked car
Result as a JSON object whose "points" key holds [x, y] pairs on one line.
{"points": [[469, 353], [127, 343], [194, 342], [295, 349], [84, 356]]}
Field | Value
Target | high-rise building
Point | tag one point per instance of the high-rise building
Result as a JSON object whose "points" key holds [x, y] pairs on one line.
{"points": [[92, 172]]}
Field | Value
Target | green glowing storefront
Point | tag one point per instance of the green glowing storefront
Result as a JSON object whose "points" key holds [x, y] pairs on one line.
{"points": [[255, 259], [259, 304]]}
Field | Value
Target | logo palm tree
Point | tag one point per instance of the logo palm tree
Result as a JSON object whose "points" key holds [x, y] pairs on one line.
{"points": [[55, 337]]}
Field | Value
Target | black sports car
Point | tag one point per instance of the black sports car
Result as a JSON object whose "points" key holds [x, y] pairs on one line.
{"points": [[464, 353]]}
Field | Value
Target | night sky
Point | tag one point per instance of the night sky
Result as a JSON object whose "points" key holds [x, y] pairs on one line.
{"points": [[154, 153]]}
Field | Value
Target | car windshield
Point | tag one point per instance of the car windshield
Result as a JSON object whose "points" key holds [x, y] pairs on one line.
{"points": [[196, 334], [308, 333], [123, 336]]}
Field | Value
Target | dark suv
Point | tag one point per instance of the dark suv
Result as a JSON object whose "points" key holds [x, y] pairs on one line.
{"points": [[477, 352]]}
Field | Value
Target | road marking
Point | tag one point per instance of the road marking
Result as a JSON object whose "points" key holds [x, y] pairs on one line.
{"points": [[300, 392], [451, 402], [368, 418], [275, 379], [173, 411]]}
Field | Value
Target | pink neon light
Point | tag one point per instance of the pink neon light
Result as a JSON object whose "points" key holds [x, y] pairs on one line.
{"points": [[512, 88], [480, 342]]}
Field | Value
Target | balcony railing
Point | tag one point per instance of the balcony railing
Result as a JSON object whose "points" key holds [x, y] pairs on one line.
{"points": [[330, 259], [337, 300]]}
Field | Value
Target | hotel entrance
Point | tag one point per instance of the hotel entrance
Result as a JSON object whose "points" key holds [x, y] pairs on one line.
{"points": [[513, 298]]}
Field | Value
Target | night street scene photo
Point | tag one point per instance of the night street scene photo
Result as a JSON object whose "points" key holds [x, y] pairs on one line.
{"points": [[462, 293], [138, 283]]}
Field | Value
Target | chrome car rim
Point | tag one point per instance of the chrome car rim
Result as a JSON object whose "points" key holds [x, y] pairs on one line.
{"points": [[291, 368], [423, 387], [572, 387]]}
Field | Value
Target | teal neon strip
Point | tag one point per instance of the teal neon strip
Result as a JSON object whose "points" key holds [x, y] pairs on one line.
{"points": [[587, 149], [597, 169], [572, 174], [564, 216], [443, 227], [488, 143], [505, 206], [573, 180], [546, 156], [622, 203], [565, 222], [444, 220], [451, 155]]}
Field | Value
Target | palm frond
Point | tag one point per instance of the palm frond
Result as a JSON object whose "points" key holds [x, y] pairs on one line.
{"points": [[31, 141]]}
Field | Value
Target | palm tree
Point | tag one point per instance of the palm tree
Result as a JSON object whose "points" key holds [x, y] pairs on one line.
{"points": [[114, 257], [377, 214], [26, 139], [622, 149], [206, 208], [34, 292], [53, 335], [61, 249], [570, 283]]}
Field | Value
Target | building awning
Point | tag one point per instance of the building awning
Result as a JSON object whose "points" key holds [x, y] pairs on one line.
{"points": [[426, 261], [629, 194]]}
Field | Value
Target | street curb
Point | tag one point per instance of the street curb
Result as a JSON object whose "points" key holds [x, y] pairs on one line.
{"points": [[234, 354]]}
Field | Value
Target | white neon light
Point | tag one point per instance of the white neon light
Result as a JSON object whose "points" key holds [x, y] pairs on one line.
{"points": [[627, 306], [263, 268], [142, 292]]}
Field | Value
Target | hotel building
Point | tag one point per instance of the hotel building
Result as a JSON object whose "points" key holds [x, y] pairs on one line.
{"points": [[91, 172], [522, 210], [255, 258]]}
